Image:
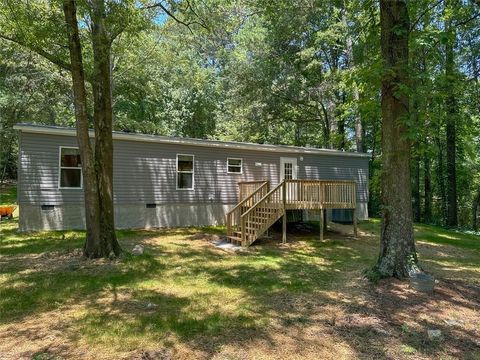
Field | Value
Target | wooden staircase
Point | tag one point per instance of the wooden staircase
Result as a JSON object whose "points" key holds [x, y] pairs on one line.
{"points": [[259, 210], [258, 189]]}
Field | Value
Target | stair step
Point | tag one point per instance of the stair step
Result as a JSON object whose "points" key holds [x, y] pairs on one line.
{"points": [[257, 222], [235, 239]]}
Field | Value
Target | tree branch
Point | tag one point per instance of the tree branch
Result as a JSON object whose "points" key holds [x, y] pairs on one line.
{"points": [[424, 12], [172, 15], [50, 57], [464, 22]]}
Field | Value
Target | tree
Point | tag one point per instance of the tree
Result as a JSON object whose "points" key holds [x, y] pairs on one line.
{"points": [[451, 120], [97, 166], [397, 245]]}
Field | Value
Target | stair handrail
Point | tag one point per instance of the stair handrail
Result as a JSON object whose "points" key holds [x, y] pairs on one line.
{"points": [[265, 184], [262, 199], [245, 215]]}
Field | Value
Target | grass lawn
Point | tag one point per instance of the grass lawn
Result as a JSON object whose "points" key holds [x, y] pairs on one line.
{"points": [[186, 299], [8, 195]]}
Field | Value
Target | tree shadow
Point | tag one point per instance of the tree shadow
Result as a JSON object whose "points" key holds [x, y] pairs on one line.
{"points": [[304, 286]]}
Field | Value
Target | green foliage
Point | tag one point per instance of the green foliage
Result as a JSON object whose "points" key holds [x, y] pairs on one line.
{"points": [[257, 71]]}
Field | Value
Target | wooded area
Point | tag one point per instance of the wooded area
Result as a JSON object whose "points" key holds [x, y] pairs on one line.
{"points": [[300, 73]]}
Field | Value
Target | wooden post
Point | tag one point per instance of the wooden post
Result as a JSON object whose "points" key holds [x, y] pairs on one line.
{"points": [[355, 233], [325, 223], [321, 224], [244, 236], [229, 226], [284, 222]]}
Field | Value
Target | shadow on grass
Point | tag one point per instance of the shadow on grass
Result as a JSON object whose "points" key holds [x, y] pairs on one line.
{"points": [[201, 295]]}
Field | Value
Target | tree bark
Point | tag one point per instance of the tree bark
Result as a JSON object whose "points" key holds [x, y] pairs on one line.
{"points": [[451, 131], [97, 167], [397, 245], [103, 124], [441, 180], [475, 206], [92, 208], [359, 128], [416, 187], [427, 188]]}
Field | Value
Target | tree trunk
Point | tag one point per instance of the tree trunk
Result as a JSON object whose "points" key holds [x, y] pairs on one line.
{"points": [[359, 128], [416, 187], [97, 168], [103, 118], [397, 245], [427, 188], [441, 180], [451, 131], [341, 134], [475, 206], [92, 209]]}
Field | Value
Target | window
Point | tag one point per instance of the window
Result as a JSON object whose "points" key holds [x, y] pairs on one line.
{"points": [[184, 172], [70, 168], [234, 166], [288, 171]]}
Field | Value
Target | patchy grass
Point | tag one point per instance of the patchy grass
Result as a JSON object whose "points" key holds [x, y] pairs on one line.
{"points": [[184, 298], [8, 195]]}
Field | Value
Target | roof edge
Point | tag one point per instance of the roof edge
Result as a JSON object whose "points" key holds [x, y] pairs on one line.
{"points": [[66, 131]]}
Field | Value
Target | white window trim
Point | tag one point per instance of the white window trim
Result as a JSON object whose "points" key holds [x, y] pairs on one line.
{"points": [[241, 166], [295, 168], [185, 172], [60, 167]]}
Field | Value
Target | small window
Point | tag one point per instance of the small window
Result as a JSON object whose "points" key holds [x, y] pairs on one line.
{"points": [[70, 168], [184, 172], [234, 166], [288, 171]]}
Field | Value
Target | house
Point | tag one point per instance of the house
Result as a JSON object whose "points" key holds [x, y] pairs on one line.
{"points": [[162, 181]]}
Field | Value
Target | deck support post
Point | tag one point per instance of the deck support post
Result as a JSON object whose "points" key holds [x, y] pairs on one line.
{"points": [[284, 222], [244, 236], [355, 231], [325, 222], [321, 223]]}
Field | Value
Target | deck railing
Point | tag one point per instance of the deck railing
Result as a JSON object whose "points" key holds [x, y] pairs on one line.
{"points": [[233, 216], [261, 208], [320, 194], [246, 188]]}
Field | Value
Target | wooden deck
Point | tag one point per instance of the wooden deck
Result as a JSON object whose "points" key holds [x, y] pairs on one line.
{"points": [[260, 207]]}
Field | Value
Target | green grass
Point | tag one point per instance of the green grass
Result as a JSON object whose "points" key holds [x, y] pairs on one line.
{"points": [[204, 299], [8, 195], [435, 235]]}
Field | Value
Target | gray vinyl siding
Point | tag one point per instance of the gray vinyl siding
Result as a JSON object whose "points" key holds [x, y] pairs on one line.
{"points": [[145, 172]]}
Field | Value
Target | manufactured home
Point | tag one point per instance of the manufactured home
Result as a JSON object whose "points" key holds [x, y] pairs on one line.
{"points": [[162, 181]]}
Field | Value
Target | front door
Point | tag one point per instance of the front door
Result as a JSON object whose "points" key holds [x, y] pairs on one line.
{"points": [[288, 168]]}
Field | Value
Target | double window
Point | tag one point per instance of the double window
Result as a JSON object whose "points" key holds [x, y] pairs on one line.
{"points": [[234, 166], [70, 176], [185, 171]]}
